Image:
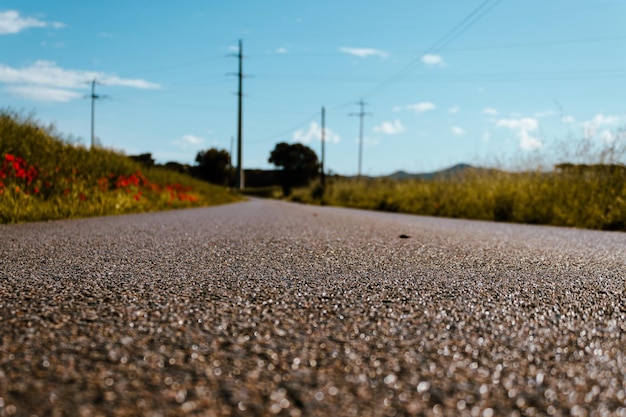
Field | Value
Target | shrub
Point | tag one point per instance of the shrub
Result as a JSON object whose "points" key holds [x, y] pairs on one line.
{"points": [[44, 177]]}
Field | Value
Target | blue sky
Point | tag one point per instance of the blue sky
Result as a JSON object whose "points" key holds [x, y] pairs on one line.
{"points": [[443, 85]]}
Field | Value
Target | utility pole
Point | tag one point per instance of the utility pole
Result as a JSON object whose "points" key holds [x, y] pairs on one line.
{"points": [[240, 176], [323, 175], [93, 97], [232, 141], [361, 114]]}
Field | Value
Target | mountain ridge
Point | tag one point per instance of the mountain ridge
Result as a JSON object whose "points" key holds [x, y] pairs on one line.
{"points": [[444, 173]]}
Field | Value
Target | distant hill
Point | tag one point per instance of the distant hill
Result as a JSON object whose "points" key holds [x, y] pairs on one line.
{"points": [[444, 173]]}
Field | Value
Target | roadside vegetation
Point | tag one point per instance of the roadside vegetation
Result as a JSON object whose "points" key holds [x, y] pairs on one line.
{"points": [[590, 193], [44, 177]]}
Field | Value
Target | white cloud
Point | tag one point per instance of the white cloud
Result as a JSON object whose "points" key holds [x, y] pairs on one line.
{"points": [[281, 50], [314, 134], [48, 76], [11, 23], [457, 131], [591, 127], [528, 142], [42, 73], [568, 119], [524, 123], [433, 60], [607, 136], [39, 93], [189, 142], [364, 52], [390, 128], [490, 111], [545, 113], [369, 142], [523, 128], [602, 120], [421, 107], [454, 110], [57, 44], [114, 80]]}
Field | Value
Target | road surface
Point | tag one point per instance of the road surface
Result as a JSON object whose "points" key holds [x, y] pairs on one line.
{"points": [[270, 308]]}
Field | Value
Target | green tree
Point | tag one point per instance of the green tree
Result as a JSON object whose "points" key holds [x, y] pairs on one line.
{"points": [[299, 164], [213, 165], [144, 159]]}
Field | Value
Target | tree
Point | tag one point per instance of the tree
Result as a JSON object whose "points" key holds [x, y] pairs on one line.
{"points": [[144, 159], [213, 166], [299, 164]]}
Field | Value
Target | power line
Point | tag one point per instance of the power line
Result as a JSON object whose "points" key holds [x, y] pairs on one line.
{"points": [[468, 21], [154, 69], [471, 19], [584, 73], [194, 83], [286, 131], [527, 76], [542, 43]]}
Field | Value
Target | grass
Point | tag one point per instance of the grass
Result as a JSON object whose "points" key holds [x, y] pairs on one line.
{"points": [[45, 177], [274, 191], [579, 195]]}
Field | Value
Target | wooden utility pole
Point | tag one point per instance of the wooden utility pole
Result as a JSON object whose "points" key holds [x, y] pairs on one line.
{"points": [[323, 174], [361, 114], [232, 145], [93, 97], [240, 176]]}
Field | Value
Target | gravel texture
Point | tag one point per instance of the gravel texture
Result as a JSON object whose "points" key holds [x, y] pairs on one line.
{"points": [[268, 308]]}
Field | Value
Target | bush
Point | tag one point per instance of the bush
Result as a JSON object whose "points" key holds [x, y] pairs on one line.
{"points": [[584, 197], [44, 177]]}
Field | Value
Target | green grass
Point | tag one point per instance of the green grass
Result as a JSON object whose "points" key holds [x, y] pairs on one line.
{"points": [[274, 191], [45, 177], [591, 196]]}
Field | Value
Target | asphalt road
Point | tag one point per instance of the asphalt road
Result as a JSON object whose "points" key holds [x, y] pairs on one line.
{"points": [[269, 308]]}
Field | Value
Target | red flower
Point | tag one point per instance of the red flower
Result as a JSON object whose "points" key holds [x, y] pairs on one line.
{"points": [[103, 184]]}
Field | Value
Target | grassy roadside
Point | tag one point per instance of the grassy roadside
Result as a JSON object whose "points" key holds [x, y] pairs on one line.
{"points": [[584, 196], [44, 177]]}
